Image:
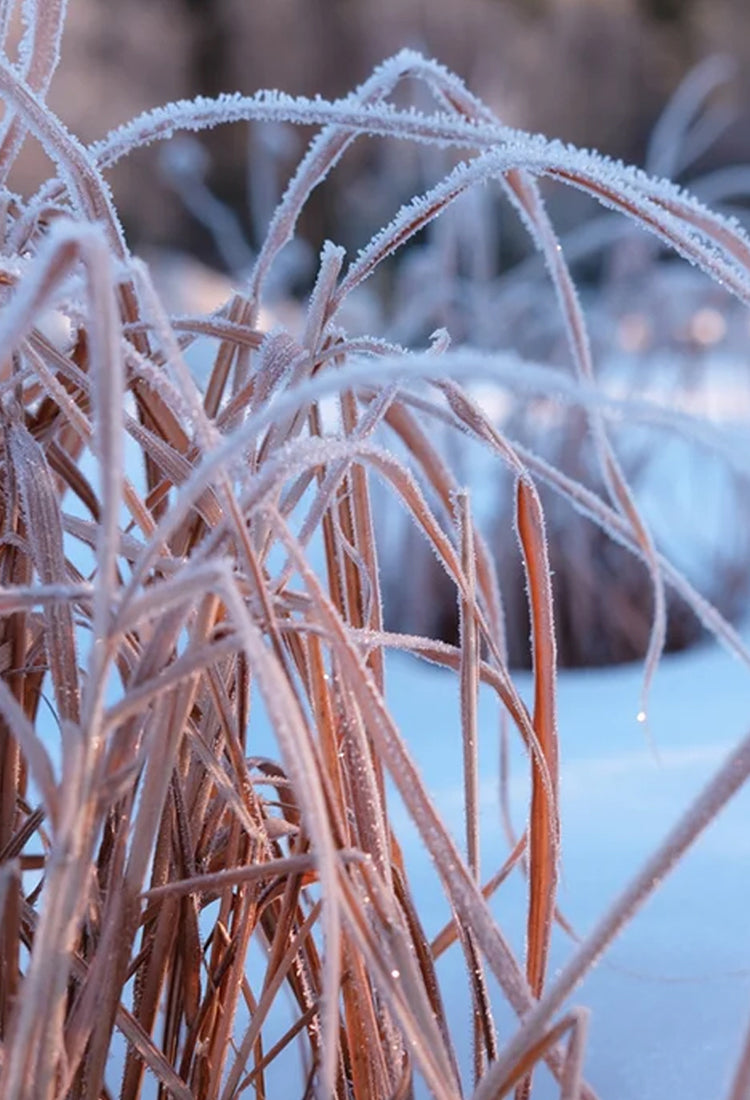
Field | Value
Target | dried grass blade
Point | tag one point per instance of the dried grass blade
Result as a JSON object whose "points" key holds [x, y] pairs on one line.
{"points": [[363, 1052], [544, 827], [426, 963], [449, 933], [33, 749], [363, 800], [322, 701], [233, 876], [331, 259], [189, 941], [363, 526], [45, 30], [107, 392], [403, 228], [469, 679], [274, 979], [575, 1055], [82, 179], [272, 1054], [594, 508], [405, 998], [244, 922], [151, 1057], [484, 1029], [462, 891], [716, 794], [301, 765], [739, 1088], [526, 194], [544, 824], [10, 940], [574, 1022], [400, 419], [42, 517], [25, 597]]}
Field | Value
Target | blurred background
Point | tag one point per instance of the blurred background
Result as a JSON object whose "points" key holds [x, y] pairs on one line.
{"points": [[660, 83], [594, 72]]}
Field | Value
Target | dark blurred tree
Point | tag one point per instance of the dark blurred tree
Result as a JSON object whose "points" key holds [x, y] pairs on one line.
{"points": [[666, 11], [209, 44]]}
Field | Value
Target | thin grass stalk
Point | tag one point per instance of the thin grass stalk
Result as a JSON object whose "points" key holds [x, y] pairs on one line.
{"points": [[10, 938], [526, 194], [574, 1023], [448, 934], [170, 715], [328, 483], [426, 1046], [399, 418], [45, 30], [39, 505], [301, 765], [717, 792], [483, 1026], [544, 823], [244, 921], [86, 187], [591, 505], [363, 532], [34, 751], [322, 700], [469, 679], [275, 977], [739, 1088], [544, 828], [465, 896], [365, 1069], [273, 1053], [426, 963]]}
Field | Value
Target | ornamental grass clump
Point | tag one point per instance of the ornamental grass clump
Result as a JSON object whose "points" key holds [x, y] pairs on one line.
{"points": [[196, 749]]}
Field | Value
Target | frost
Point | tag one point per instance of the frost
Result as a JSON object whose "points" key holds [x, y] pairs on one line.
{"points": [[39, 50], [38, 56], [88, 191], [658, 205], [272, 106], [256, 455]]}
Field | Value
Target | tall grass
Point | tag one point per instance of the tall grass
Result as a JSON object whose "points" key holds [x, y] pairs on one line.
{"points": [[176, 562]]}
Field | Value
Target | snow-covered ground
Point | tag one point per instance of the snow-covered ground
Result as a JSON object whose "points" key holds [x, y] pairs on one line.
{"points": [[670, 1001]]}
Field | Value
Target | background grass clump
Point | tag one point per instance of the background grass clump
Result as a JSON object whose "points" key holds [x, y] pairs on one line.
{"points": [[197, 754]]}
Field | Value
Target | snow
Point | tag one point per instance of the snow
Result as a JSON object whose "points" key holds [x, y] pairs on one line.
{"points": [[670, 1000]]}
